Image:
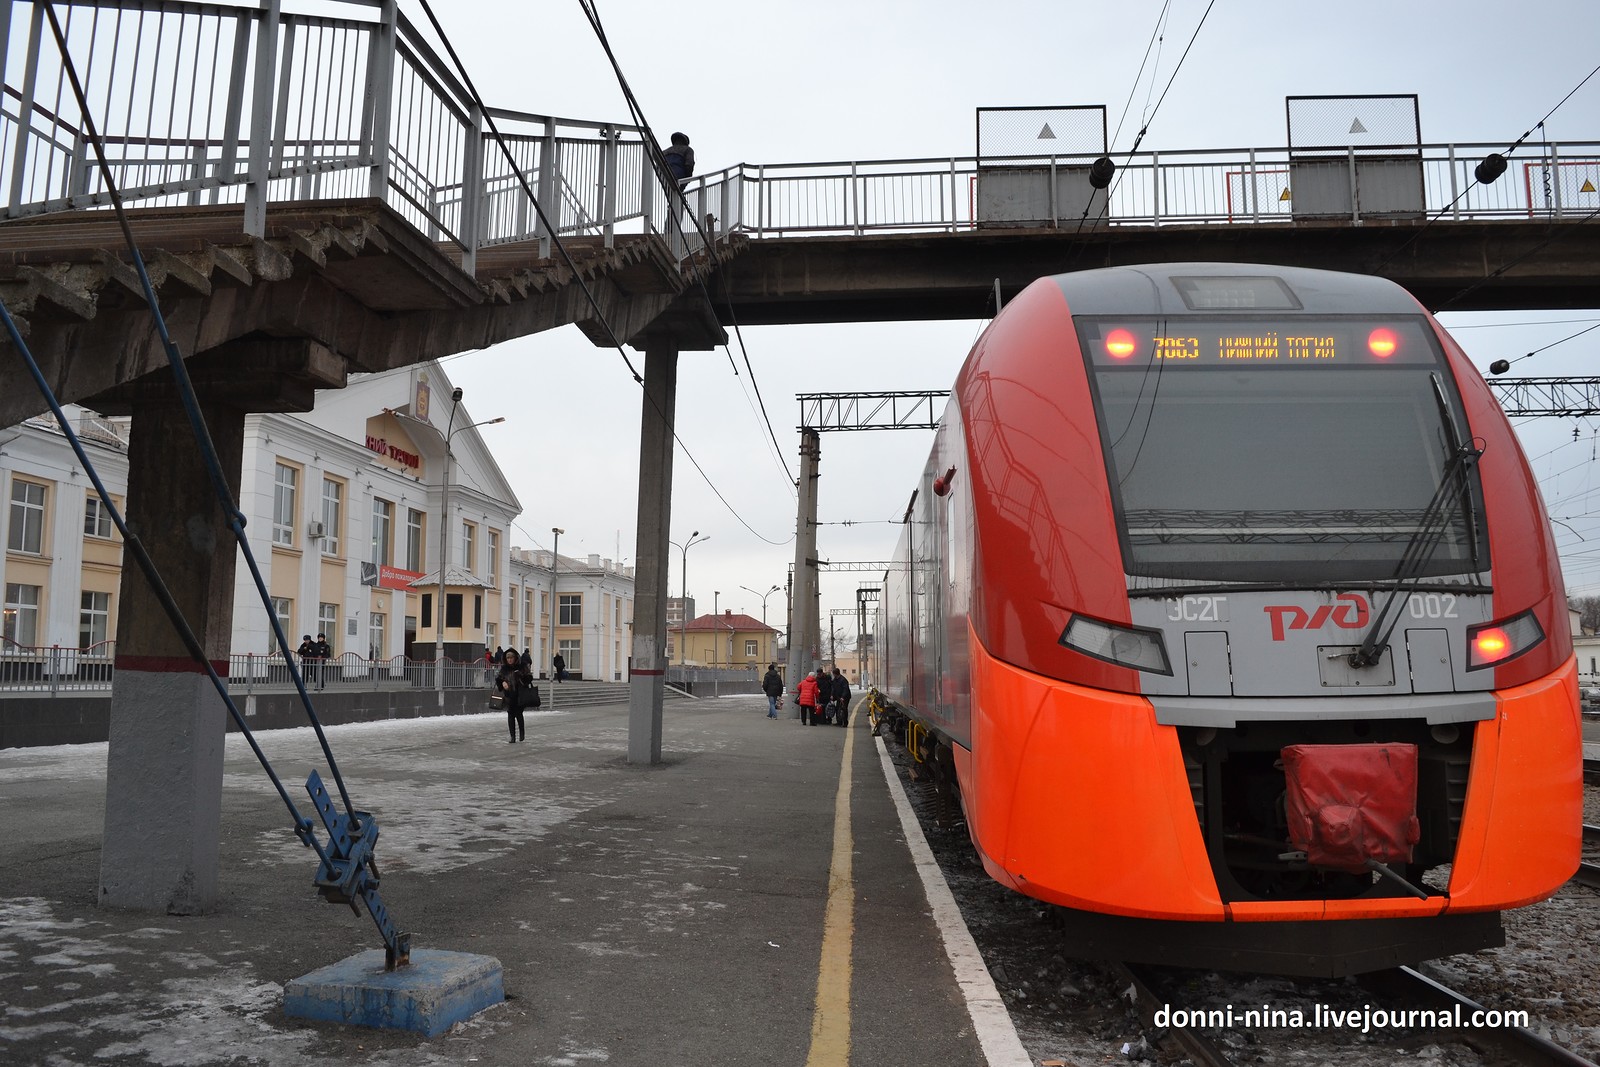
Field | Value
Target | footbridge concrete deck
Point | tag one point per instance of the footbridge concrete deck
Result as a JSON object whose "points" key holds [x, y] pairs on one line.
{"points": [[710, 910]]}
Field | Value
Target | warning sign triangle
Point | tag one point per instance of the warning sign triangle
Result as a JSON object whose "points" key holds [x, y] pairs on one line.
{"points": [[1586, 187], [1047, 134], [1285, 195], [1356, 127]]}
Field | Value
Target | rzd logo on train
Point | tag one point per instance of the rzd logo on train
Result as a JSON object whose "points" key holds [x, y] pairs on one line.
{"points": [[1349, 611]]}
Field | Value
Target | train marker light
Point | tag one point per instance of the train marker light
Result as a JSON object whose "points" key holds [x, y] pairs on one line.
{"points": [[1126, 646], [1496, 642], [1382, 342], [1120, 344]]}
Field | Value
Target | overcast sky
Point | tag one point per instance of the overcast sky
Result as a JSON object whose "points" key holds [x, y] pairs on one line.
{"points": [[827, 80]]}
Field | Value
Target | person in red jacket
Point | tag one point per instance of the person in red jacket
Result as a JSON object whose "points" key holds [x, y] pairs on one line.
{"points": [[807, 697]]}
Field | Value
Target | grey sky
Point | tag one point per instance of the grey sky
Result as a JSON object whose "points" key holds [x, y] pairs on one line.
{"points": [[820, 81]]}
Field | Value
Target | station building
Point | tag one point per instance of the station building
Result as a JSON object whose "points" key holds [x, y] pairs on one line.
{"points": [[344, 506], [727, 640]]}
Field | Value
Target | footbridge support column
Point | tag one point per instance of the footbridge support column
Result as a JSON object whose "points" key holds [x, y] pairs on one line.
{"points": [[164, 763], [687, 330], [164, 760]]}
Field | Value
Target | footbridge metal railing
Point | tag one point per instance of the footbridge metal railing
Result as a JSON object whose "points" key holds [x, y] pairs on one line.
{"points": [[278, 101], [1243, 186]]}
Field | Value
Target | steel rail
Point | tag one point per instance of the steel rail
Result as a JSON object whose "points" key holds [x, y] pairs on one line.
{"points": [[1591, 771], [1523, 1046], [1201, 1049], [1588, 874]]}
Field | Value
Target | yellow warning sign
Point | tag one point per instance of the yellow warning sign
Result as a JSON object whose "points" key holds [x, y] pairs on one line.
{"points": [[1586, 187], [1285, 194]]}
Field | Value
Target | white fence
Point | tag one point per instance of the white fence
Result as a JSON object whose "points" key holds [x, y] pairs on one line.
{"points": [[1545, 181], [223, 102]]}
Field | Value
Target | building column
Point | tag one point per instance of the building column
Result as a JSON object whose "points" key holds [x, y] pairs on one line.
{"points": [[646, 684], [164, 764]]}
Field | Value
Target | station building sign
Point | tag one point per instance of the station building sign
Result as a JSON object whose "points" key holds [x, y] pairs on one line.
{"points": [[383, 576]]}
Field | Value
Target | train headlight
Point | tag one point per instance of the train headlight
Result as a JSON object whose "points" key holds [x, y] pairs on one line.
{"points": [[1126, 646], [1496, 642]]}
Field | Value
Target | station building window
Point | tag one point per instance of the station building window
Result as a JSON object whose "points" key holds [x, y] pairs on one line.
{"points": [[96, 517], [94, 619], [27, 517], [21, 615], [284, 485]]}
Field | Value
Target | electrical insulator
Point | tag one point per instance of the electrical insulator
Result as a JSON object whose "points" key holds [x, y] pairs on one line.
{"points": [[1100, 172], [1493, 165]]}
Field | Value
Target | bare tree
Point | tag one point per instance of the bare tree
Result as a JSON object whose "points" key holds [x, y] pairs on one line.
{"points": [[1589, 613]]}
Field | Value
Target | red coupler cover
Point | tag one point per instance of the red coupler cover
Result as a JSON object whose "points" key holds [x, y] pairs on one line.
{"points": [[1347, 804]]}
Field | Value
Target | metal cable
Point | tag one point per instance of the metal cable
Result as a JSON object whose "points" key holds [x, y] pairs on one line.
{"points": [[191, 407], [594, 305]]}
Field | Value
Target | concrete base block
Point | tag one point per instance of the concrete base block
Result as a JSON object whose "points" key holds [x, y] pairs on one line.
{"points": [[437, 990]]}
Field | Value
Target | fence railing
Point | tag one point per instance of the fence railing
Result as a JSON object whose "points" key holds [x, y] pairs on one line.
{"points": [[230, 101], [247, 672], [223, 102], [55, 669], [1545, 181]]}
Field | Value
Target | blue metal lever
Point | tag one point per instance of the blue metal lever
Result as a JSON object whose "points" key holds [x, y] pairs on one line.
{"points": [[348, 870]]}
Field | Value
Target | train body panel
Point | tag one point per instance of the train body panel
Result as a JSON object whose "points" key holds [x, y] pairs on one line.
{"points": [[1521, 831], [1178, 519], [1060, 826]]}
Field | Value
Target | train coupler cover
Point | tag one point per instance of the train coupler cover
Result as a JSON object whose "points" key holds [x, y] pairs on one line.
{"points": [[1351, 804]]}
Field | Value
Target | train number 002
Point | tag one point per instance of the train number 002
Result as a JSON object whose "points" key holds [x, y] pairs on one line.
{"points": [[1433, 606]]}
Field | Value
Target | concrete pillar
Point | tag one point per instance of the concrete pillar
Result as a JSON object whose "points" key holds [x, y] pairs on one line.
{"points": [[164, 765], [803, 615], [646, 684]]}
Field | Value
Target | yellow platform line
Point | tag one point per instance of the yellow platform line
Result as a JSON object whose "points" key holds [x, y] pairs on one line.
{"points": [[830, 1018]]}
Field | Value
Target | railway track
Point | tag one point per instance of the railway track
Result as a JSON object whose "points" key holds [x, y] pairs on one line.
{"points": [[1402, 989], [1589, 873], [1591, 771], [1523, 1046]]}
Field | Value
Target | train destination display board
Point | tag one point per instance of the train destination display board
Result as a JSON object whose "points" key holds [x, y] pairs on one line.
{"points": [[1256, 341]]}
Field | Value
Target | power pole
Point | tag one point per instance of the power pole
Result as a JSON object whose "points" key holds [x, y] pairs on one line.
{"points": [[803, 623]]}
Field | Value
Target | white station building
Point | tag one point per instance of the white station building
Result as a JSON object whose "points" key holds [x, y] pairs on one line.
{"points": [[344, 507]]}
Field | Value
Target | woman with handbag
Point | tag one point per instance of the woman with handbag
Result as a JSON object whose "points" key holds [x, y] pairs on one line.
{"points": [[510, 684]]}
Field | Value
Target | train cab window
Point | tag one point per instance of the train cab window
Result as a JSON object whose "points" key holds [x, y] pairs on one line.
{"points": [[1280, 449]]}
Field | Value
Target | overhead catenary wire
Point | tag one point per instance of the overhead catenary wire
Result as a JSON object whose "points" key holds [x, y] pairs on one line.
{"points": [[1475, 179], [588, 293], [1156, 33], [659, 163], [1144, 127], [1557, 232]]}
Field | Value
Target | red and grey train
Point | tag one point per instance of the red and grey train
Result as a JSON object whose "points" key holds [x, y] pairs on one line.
{"points": [[1228, 604]]}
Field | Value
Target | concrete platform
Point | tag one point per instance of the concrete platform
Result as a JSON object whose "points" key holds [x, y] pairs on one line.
{"points": [[754, 899], [428, 996]]}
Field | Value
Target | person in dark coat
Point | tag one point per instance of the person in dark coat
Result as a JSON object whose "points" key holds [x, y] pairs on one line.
{"points": [[499, 655], [772, 685], [515, 681], [679, 157], [308, 658], [560, 666], [841, 698], [324, 654]]}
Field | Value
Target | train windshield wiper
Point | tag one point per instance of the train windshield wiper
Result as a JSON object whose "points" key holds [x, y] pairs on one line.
{"points": [[1453, 495]]}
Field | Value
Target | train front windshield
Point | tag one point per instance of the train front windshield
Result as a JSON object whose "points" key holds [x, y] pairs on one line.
{"points": [[1283, 450]]}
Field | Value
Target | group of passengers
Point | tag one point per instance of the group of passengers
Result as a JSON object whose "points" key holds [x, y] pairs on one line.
{"points": [[823, 698]]}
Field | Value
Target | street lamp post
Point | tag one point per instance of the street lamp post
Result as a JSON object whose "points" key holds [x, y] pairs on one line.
{"points": [[763, 597], [683, 602], [444, 542]]}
